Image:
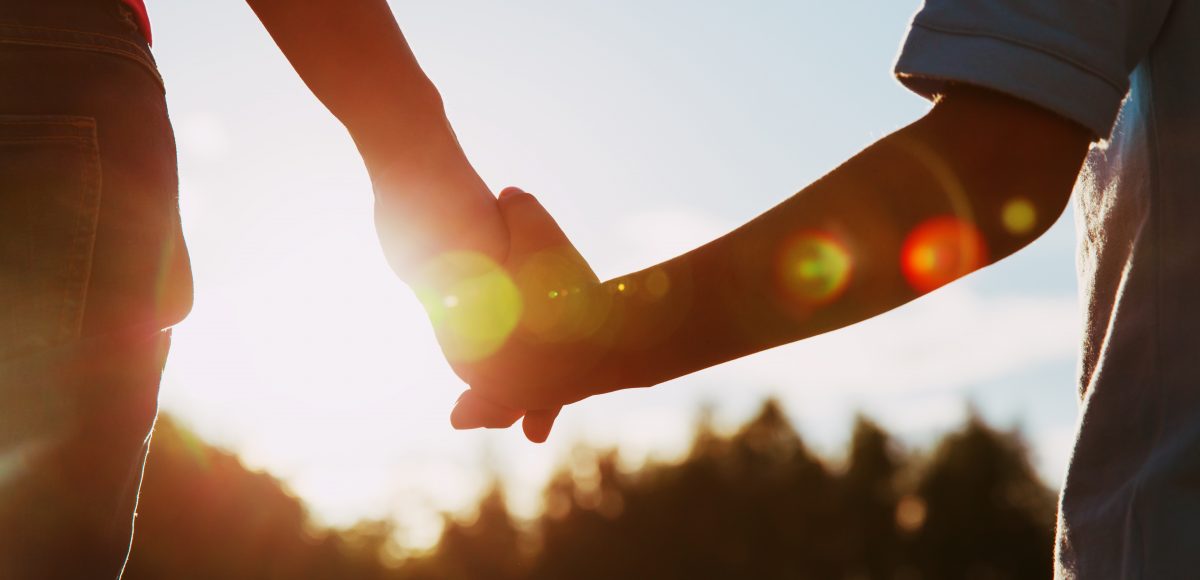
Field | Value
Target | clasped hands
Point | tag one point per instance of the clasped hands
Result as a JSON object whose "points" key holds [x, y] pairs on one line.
{"points": [[525, 330]]}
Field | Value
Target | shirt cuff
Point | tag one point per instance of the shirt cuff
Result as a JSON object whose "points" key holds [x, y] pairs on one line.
{"points": [[933, 56]]}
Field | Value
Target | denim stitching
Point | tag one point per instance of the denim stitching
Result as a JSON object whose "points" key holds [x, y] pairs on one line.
{"points": [[82, 247], [79, 40], [80, 134], [100, 37], [64, 139], [68, 128]]}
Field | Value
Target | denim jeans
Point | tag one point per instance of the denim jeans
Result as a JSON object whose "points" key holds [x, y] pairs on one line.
{"points": [[93, 268]]}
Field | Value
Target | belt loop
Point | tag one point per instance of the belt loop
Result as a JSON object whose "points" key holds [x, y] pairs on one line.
{"points": [[129, 18]]}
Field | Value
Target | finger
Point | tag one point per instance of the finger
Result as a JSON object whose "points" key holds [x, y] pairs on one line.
{"points": [[531, 227], [474, 412], [537, 424]]}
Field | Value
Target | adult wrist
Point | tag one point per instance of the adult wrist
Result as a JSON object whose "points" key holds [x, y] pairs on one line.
{"points": [[428, 210]]}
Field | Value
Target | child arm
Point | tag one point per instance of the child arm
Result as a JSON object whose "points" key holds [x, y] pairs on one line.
{"points": [[975, 180]]}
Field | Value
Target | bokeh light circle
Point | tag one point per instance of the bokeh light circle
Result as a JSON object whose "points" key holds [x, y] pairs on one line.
{"points": [[940, 251], [814, 267], [472, 302], [1019, 216], [559, 306], [658, 284]]}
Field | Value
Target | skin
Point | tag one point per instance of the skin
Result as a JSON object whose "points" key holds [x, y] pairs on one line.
{"points": [[430, 202], [355, 59], [970, 158], [573, 337]]}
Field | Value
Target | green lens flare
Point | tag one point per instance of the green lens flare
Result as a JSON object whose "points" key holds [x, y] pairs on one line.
{"points": [[474, 305], [815, 268], [1019, 216]]}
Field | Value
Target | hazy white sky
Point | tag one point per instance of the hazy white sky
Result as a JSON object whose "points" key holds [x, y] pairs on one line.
{"points": [[646, 127]]}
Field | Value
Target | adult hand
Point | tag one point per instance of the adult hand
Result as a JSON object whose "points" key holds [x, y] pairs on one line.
{"points": [[424, 210], [523, 333]]}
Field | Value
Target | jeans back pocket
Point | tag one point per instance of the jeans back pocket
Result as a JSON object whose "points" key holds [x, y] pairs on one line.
{"points": [[49, 205]]}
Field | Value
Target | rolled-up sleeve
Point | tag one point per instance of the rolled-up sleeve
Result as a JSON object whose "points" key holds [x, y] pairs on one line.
{"points": [[1072, 57]]}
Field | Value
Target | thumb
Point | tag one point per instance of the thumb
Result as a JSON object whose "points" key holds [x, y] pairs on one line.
{"points": [[531, 228], [473, 412]]}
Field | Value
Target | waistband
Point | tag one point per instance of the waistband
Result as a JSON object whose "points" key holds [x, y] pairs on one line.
{"points": [[103, 26]]}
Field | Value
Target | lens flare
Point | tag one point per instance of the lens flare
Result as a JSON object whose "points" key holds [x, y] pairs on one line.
{"points": [[1019, 216], [473, 304], [815, 268], [941, 250], [557, 307], [657, 284]]}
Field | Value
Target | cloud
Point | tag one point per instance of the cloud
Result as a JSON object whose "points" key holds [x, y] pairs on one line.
{"points": [[325, 372], [952, 338]]}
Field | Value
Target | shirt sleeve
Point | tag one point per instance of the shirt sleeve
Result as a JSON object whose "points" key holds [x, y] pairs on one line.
{"points": [[1072, 57]]}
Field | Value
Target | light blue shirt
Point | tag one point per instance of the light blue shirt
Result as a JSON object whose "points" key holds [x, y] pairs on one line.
{"points": [[1129, 70]]}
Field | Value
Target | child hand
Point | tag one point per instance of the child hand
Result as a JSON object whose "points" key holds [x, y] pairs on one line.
{"points": [[525, 333]]}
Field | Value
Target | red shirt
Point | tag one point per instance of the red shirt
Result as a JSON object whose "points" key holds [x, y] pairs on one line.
{"points": [[139, 11]]}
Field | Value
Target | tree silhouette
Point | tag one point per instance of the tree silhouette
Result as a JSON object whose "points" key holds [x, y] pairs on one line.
{"points": [[988, 516], [203, 515], [488, 547], [870, 497], [754, 504]]}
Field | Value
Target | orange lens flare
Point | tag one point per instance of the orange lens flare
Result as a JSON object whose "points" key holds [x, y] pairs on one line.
{"points": [[557, 307], [815, 268], [940, 251]]}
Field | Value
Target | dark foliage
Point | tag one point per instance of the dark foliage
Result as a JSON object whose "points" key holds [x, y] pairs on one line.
{"points": [[756, 504]]}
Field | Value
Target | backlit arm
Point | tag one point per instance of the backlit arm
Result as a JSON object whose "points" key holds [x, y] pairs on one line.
{"points": [[354, 58], [978, 178]]}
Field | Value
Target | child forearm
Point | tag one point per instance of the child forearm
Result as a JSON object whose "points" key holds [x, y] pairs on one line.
{"points": [[980, 177]]}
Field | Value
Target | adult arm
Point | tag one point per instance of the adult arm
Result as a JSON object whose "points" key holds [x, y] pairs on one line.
{"points": [[355, 59]]}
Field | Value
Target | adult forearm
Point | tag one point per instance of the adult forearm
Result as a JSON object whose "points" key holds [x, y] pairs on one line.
{"points": [[870, 236], [355, 59]]}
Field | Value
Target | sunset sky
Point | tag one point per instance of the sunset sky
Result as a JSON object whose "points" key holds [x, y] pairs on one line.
{"points": [[646, 127]]}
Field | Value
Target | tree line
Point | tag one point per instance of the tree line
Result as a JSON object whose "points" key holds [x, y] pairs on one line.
{"points": [[756, 503]]}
